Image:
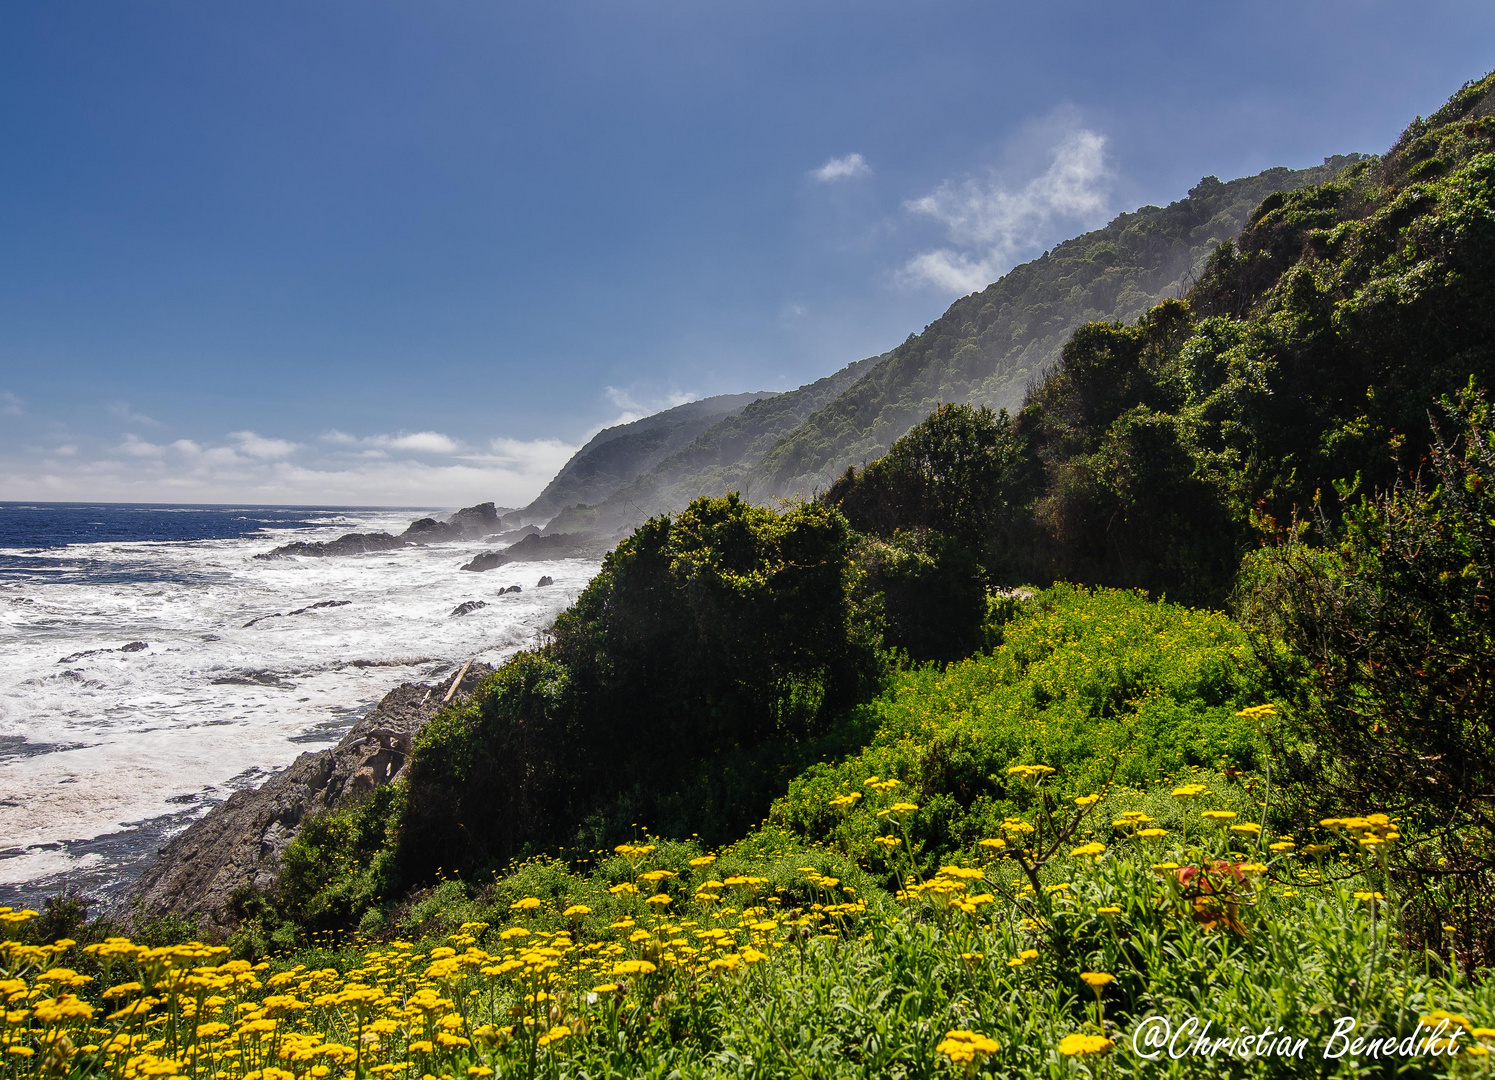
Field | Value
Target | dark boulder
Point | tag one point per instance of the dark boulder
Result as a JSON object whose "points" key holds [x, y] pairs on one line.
{"points": [[469, 606], [466, 524], [350, 544], [533, 548], [487, 560], [544, 581], [536, 548]]}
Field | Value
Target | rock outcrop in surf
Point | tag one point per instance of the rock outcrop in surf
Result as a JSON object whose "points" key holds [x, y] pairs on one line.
{"points": [[533, 548], [470, 523]]}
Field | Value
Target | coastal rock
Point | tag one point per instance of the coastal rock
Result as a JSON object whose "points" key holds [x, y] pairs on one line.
{"points": [[468, 607], [469, 523], [487, 560], [240, 841], [286, 614], [533, 548], [134, 646], [512, 536], [350, 544], [511, 588], [544, 581], [466, 524]]}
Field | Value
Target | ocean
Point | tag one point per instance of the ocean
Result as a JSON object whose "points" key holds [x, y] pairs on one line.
{"points": [[150, 666]]}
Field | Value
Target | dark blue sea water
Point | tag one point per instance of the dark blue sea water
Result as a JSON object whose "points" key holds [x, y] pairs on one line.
{"points": [[31, 533], [46, 525]]}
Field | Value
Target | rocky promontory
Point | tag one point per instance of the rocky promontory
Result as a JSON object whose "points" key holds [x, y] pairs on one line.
{"points": [[469, 523], [240, 841]]}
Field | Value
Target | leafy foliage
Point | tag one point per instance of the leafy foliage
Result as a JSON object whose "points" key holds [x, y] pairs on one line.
{"points": [[776, 959], [725, 632], [1379, 631], [938, 505]]}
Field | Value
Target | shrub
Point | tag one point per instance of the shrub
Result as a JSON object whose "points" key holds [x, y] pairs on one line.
{"points": [[709, 646], [1378, 633]]}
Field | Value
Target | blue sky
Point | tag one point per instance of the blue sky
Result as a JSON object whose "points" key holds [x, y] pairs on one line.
{"points": [[415, 253]]}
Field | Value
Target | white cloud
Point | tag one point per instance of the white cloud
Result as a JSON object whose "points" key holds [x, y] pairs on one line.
{"points": [[510, 472], [993, 225], [10, 405], [634, 409], [138, 447], [620, 397], [245, 467], [420, 442], [539, 458], [257, 446], [842, 168], [424, 442], [123, 411]]}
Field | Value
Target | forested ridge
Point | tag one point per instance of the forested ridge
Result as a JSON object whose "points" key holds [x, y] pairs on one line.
{"points": [[615, 455]]}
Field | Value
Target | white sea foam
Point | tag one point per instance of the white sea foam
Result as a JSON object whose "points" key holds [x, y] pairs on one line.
{"points": [[93, 744]]}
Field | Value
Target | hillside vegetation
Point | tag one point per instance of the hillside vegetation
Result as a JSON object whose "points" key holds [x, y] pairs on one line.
{"points": [[962, 768], [616, 455], [1306, 364], [992, 346], [718, 461]]}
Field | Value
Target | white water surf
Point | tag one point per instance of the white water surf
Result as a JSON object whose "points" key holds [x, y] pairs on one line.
{"points": [[104, 752]]}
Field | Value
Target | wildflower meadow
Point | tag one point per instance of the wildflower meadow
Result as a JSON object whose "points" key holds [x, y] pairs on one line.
{"points": [[775, 958]]}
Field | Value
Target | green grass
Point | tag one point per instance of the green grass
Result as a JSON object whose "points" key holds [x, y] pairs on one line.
{"points": [[1103, 686]]}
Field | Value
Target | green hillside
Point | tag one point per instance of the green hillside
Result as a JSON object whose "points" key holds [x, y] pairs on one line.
{"points": [[718, 461], [991, 346], [616, 455]]}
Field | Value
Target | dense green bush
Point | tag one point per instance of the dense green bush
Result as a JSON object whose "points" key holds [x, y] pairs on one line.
{"points": [[939, 510], [1378, 632], [682, 680]]}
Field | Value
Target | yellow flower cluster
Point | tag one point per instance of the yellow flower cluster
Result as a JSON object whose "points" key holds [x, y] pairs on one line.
{"points": [[459, 1009], [1370, 832], [966, 1046]]}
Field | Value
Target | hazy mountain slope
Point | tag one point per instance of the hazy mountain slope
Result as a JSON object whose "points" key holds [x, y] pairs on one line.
{"points": [[616, 455], [718, 461], [990, 346]]}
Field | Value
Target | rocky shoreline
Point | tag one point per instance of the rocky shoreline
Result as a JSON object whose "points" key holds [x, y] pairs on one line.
{"points": [[240, 841]]}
